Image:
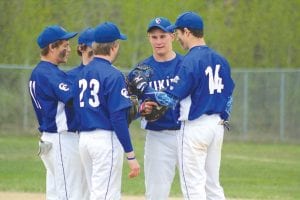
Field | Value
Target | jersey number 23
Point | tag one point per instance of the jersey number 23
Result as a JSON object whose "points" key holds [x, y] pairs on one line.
{"points": [[92, 87]]}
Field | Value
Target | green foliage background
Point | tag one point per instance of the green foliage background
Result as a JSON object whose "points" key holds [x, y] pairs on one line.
{"points": [[250, 33]]}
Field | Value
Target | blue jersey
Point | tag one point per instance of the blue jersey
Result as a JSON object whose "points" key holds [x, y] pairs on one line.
{"points": [[99, 91], [70, 111], [161, 78], [73, 73], [50, 92], [203, 84]]}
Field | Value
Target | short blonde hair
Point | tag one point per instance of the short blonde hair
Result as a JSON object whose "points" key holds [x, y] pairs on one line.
{"points": [[103, 48]]}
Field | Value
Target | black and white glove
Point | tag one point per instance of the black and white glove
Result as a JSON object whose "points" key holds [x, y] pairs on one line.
{"points": [[138, 79]]}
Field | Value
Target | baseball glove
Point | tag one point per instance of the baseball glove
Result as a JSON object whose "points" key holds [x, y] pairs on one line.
{"points": [[138, 79], [132, 114], [151, 110]]}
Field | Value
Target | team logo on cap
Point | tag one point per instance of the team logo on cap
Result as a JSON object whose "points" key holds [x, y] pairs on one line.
{"points": [[63, 86], [158, 20]]}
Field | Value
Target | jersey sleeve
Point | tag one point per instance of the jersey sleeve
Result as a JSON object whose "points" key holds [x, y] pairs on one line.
{"points": [[118, 98], [229, 86], [182, 84], [119, 123], [61, 87]]}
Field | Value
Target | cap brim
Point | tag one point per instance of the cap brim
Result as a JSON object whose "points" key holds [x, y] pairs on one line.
{"points": [[68, 36], [172, 28], [123, 36], [160, 27]]}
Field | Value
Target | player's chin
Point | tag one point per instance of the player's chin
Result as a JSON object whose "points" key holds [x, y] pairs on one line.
{"points": [[64, 60], [160, 51], [183, 46]]}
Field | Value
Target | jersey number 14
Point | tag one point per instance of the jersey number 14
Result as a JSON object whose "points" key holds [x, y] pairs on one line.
{"points": [[214, 80]]}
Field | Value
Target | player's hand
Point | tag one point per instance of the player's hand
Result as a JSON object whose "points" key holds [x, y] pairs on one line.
{"points": [[146, 107], [225, 124], [134, 168], [133, 165]]}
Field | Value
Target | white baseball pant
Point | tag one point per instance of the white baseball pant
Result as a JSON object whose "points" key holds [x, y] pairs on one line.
{"points": [[160, 162], [102, 157], [65, 178], [199, 148]]}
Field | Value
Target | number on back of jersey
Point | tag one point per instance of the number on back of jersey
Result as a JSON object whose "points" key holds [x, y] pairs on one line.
{"points": [[214, 80], [93, 87]]}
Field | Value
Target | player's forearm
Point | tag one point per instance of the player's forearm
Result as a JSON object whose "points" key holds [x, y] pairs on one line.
{"points": [[120, 125], [162, 98], [226, 113]]}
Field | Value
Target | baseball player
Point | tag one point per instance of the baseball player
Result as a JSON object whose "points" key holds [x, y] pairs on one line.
{"points": [[102, 102], [205, 88], [160, 157], [84, 50], [50, 94]]}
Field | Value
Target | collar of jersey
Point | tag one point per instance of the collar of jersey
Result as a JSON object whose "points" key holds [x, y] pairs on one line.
{"points": [[102, 60], [198, 46], [48, 63]]}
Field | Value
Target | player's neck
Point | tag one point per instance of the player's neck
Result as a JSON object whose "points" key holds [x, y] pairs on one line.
{"points": [[105, 57], [164, 57], [49, 59], [196, 42], [86, 59]]}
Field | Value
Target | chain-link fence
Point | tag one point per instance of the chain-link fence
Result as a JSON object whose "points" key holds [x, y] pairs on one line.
{"points": [[265, 104]]}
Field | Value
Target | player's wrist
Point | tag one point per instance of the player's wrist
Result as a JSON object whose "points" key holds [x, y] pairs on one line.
{"points": [[130, 156]]}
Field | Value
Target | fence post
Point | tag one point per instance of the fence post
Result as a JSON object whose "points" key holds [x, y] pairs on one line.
{"points": [[281, 107], [25, 100], [245, 114]]}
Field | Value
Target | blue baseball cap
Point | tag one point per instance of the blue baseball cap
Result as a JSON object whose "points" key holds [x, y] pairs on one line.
{"points": [[86, 36], [108, 32], [159, 22], [187, 20], [52, 34]]}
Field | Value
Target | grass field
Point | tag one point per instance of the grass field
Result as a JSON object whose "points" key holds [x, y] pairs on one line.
{"points": [[249, 170]]}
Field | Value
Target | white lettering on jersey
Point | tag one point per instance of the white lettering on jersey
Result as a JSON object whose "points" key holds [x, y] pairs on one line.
{"points": [[63, 86], [161, 84], [124, 93], [175, 79], [168, 82], [94, 87], [214, 80], [158, 85], [82, 83]]}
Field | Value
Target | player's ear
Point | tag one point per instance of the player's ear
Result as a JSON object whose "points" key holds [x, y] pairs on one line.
{"points": [[51, 46], [173, 36], [186, 30]]}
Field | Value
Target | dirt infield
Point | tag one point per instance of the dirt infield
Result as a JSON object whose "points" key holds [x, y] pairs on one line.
{"points": [[39, 196]]}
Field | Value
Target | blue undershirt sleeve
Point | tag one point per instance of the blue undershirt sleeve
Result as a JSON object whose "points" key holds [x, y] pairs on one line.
{"points": [[120, 125]]}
